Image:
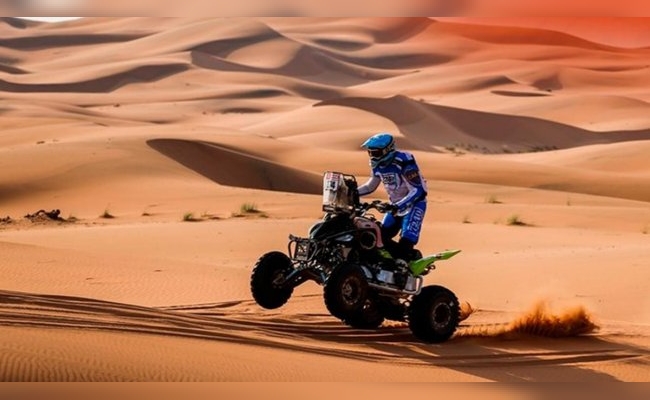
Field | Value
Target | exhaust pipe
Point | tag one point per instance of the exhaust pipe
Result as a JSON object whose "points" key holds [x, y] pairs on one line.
{"points": [[414, 292]]}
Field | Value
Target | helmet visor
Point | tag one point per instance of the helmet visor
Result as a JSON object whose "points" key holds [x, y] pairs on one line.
{"points": [[377, 153]]}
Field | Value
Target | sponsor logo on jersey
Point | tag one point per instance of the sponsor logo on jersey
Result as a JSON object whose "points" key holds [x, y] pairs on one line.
{"points": [[413, 176], [390, 181]]}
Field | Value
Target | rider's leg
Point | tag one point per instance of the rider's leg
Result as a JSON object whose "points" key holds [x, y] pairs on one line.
{"points": [[406, 245], [390, 227], [411, 228]]}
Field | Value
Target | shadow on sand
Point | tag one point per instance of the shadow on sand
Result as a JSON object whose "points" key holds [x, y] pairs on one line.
{"points": [[515, 359], [233, 167]]}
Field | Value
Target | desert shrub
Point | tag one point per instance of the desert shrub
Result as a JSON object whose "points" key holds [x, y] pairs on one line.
{"points": [[249, 209], [492, 199], [514, 220], [189, 217], [107, 215]]}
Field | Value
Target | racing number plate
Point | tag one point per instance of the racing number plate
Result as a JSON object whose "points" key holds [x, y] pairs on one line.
{"points": [[302, 252]]}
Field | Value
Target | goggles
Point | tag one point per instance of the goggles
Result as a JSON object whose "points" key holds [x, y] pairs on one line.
{"points": [[377, 153]]}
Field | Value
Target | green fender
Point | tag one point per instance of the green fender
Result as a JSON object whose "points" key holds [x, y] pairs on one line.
{"points": [[419, 266]]}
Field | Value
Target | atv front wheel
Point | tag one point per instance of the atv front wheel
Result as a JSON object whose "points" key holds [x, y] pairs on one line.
{"points": [[268, 284], [434, 314], [346, 291]]}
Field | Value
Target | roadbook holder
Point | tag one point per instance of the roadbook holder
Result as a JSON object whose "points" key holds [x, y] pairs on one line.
{"points": [[339, 192]]}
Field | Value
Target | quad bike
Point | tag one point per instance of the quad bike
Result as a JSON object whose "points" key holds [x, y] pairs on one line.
{"points": [[361, 288]]}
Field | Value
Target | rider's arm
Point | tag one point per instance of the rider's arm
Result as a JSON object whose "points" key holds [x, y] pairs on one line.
{"points": [[370, 186]]}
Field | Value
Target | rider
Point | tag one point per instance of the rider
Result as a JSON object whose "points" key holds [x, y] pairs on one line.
{"points": [[406, 189]]}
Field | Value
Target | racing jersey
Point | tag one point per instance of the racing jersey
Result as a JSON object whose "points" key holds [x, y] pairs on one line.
{"points": [[402, 181]]}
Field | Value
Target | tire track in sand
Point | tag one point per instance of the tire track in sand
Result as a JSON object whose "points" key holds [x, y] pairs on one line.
{"points": [[233, 322]]}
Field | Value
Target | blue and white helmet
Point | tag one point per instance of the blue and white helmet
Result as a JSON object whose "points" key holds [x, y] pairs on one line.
{"points": [[381, 149]]}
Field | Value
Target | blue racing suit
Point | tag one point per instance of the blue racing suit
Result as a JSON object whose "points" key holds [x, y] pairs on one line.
{"points": [[406, 190]]}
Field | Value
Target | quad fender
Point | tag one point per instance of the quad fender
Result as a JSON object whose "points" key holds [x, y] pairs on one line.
{"points": [[418, 267]]}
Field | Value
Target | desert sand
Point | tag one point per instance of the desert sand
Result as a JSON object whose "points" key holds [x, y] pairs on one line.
{"points": [[149, 135]]}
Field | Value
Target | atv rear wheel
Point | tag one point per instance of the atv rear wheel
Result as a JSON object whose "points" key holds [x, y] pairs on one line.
{"points": [[434, 314], [268, 284], [346, 291]]}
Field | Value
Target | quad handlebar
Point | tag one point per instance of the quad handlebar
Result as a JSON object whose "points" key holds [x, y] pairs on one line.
{"points": [[380, 206]]}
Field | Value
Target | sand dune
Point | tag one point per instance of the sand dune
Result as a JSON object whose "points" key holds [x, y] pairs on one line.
{"points": [[478, 131], [128, 125], [237, 168], [17, 23], [515, 35], [52, 41], [613, 31], [144, 74]]}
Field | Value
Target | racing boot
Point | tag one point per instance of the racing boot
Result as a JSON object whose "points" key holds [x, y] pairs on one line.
{"points": [[384, 254], [406, 250], [385, 258]]}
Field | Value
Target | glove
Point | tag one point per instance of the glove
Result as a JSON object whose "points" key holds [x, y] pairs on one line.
{"points": [[389, 208], [402, 209]]}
